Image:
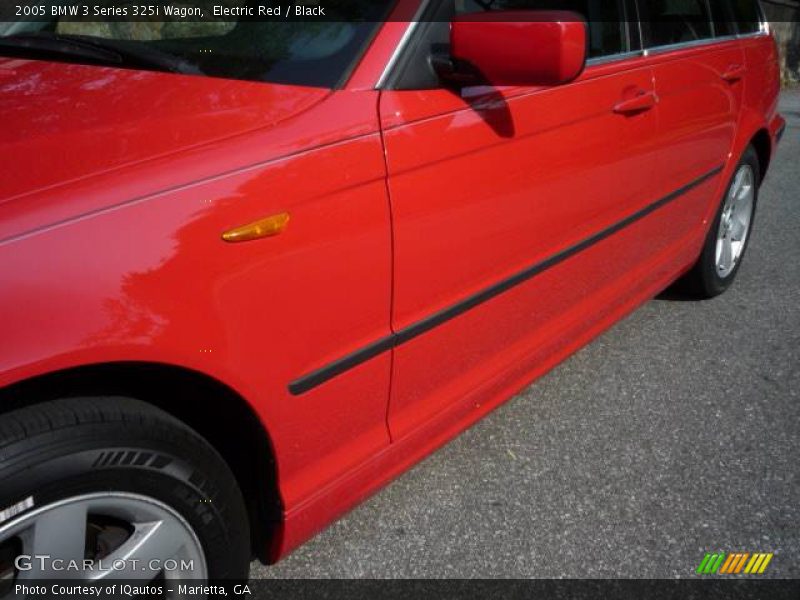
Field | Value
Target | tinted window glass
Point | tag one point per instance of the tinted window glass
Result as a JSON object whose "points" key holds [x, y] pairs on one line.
{"points": [[607, 30], [747, 15], [723, 21], [314, 52], [676, 21]]}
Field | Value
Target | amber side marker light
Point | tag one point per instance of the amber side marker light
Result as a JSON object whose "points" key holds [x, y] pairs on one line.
{"points": [[263, 228]]}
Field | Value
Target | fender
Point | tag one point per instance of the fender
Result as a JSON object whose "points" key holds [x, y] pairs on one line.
{"points": [[751, 122]]}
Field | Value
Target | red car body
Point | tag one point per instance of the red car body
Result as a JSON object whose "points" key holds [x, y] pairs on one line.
{"points": [[443, 250]]}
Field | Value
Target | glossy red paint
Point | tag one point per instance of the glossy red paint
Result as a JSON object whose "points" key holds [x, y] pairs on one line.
{"points": [[521, 47], [548, 198], [135, 267], [402, 203]]}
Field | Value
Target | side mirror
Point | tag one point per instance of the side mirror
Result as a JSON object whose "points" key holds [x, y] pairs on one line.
{"points": [[515, 47]]}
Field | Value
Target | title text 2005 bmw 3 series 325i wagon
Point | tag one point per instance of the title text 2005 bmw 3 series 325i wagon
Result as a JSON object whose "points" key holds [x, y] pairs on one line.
{"points": [[248, 275]]}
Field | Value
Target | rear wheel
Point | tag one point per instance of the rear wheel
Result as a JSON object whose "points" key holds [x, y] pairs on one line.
{"points": [[115, 489], [729, 235]]}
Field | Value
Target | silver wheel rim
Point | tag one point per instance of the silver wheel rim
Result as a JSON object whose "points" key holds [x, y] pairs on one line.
{"points": [[159, 542], [734, 225]]}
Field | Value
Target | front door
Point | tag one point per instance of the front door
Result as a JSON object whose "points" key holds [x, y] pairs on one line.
{"points": [[502, 204]]}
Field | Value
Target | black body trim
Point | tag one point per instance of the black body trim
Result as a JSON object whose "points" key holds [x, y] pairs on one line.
{"points": [[315, 378], [779, 133]]}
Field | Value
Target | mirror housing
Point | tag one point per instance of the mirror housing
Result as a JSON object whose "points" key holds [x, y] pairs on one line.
{"points": [[515, 48]]}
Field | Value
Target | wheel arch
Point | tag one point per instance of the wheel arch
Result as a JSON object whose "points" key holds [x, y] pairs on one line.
{"points": [[197, 400]]}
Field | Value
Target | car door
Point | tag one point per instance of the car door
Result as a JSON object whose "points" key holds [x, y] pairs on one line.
{"points": [[699, 68], [497, 195], [762, 81]]}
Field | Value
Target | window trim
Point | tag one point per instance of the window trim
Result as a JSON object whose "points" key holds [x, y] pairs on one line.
{"points": [[656, 50], [401, 45], [763, 30], [763, 22], [641, 52], [612, 58]]}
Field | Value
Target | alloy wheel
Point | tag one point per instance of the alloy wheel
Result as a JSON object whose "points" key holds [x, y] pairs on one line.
{"points": [[100, 537], [734, 226]]}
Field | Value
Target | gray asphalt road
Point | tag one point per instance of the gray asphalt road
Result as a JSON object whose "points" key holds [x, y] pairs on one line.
{"points": [[675, 433]]}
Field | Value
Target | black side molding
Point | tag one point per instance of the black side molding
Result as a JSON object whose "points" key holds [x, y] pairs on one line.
{"points": [[311, 380], [779, 133]]}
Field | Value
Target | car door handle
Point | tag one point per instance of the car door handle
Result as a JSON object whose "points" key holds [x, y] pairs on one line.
{"points": [[640, 102], [734, 73]]}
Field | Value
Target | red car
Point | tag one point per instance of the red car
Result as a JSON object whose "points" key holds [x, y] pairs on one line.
{"points": [[251, 270]]}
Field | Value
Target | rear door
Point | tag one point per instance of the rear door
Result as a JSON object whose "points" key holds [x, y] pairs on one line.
{"points": [[493, 192], [699, 70]]}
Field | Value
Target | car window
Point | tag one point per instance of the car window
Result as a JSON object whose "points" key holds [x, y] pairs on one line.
{"points": [[607, 27], [747, 15], [722, 18], [676, 21], [316, 53]]}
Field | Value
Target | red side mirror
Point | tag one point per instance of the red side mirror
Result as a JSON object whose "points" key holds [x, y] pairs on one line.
{"points": [[521, 47]]}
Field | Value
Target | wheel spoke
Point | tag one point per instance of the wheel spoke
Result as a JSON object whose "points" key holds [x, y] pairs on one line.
{"points": [[726, 260], [61, 535], [738, 182], [743, 192], [150, 542], [739, 229]]}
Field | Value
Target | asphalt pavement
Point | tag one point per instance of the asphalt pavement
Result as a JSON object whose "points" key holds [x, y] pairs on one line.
{"points": [[675, 433]]}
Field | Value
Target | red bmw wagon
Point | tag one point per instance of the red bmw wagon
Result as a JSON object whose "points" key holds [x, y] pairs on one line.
{"points": [[251, 270]]}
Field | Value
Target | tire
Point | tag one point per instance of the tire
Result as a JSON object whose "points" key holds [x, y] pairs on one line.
{"points": [[708, 278], [113, 459]]}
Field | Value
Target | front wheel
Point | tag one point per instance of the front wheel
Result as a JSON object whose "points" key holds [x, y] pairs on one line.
{"points": [[111, 489], [729, 235]]}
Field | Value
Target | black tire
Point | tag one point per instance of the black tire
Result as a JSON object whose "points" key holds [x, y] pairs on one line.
{"points": [[703, 280], [70, 447]]}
